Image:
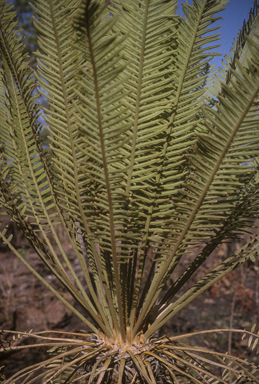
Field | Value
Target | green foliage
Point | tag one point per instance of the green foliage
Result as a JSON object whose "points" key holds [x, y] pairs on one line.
{"points": [[143, 171], [25, 16]]}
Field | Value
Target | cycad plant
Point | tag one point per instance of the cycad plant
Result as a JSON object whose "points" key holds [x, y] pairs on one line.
{"points": [[153, 156]]}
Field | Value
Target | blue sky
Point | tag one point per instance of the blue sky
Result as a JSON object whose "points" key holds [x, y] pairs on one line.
{"points": [[232, 20]]}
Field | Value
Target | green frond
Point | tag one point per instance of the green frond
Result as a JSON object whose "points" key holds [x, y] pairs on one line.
{"points": [[26, 195], [147, 162], [234, 221], [162, 313], [221, 168], [30, 198], [165, 218], [81, 93], [239, 52], [231, 144]]}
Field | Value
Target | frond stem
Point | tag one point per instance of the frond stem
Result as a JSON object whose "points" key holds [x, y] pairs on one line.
{"points": [[119, 329], [154, 292]]}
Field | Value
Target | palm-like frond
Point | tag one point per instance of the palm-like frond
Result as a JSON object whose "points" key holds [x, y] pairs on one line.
{"points": [[161, 137], [239, 52], [25, 190], [222, 171], [29, 197], [137, 168]]}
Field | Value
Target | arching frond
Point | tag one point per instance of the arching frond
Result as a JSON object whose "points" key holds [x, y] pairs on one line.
{"points": [[221, 169], [142, 170], [164, 221]]}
